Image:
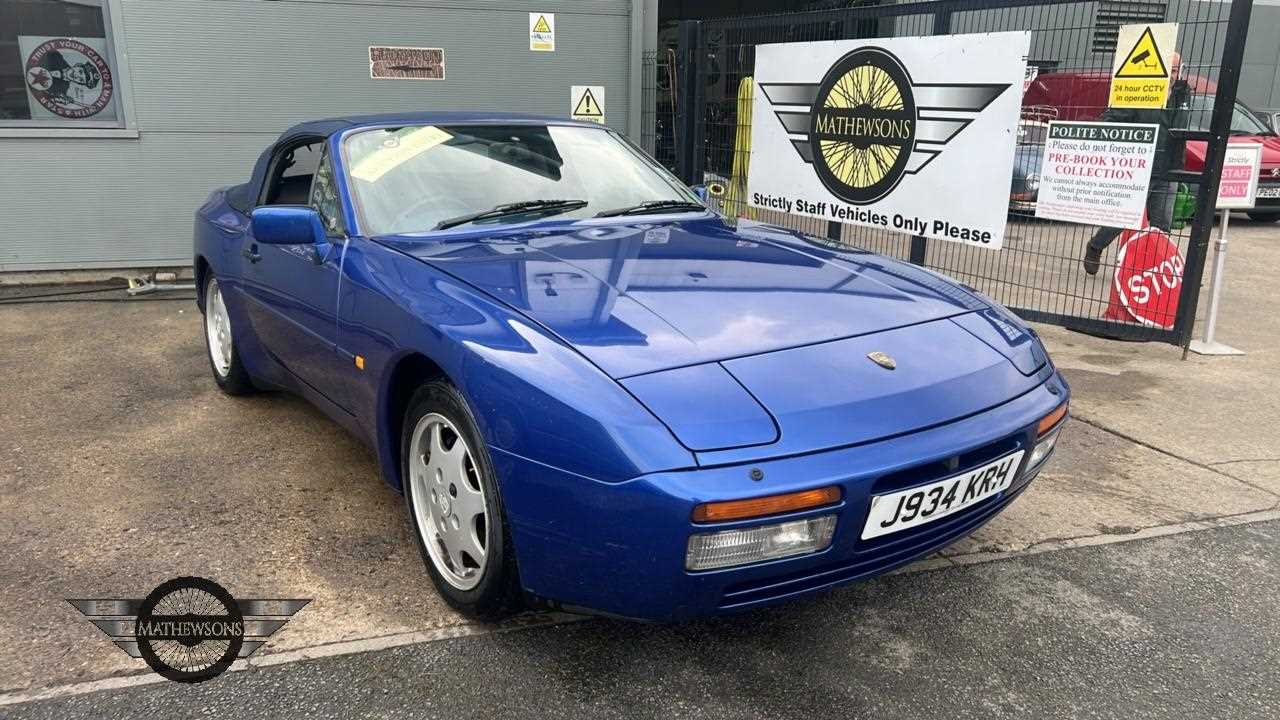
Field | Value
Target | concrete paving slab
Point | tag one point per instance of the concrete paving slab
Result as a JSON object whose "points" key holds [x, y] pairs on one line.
{"points": [[1101, 484], [123, 466], [1220, 412]]}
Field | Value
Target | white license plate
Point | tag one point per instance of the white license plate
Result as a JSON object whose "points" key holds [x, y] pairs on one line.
{"points": [[1272, 191], [922, 505]]}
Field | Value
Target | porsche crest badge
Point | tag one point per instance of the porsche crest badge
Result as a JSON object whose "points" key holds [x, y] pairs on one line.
{"points": [[882, 359]]}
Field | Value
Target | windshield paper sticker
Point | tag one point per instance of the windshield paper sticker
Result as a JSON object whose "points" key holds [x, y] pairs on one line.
{"points": [[398, 149]]}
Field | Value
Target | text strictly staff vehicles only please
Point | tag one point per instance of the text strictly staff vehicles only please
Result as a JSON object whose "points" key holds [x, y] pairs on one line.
{"points": [[846, 213]]}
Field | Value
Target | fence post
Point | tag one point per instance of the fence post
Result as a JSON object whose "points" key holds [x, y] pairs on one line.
{"points": [[691, 59], [848, 31], [1207, 198], [919, 243]]}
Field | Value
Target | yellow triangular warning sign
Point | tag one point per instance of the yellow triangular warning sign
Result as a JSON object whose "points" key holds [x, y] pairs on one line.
{"points": [[1144, 60], [587, 106], [542, 26]]}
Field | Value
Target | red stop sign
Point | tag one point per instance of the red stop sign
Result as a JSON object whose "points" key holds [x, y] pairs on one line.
{"points": [[1148, 278]]}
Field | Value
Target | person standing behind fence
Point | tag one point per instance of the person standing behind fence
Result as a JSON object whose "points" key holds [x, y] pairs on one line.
{"points": [[1170, 155]]}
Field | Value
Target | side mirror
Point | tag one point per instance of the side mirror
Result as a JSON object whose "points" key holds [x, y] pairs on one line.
{"points": [[288, 225], [701, 192]]}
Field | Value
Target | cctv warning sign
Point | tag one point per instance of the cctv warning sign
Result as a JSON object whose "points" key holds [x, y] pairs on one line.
{"points": [[1141, 72]]}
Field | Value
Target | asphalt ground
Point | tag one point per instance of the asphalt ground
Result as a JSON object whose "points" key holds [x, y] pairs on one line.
{"points": [[1182, 626]]}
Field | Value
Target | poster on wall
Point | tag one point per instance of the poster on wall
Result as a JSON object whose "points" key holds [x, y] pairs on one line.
{"points": [[1096, 173], [913, 134], [68, 78], [396, 62]]}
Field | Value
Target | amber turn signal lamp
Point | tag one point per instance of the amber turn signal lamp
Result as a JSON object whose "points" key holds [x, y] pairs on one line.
{"points": [[1048, 422], [768, 505]]}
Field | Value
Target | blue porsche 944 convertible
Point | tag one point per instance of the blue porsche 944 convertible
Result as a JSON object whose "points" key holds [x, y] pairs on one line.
{"points": [[594, 393]]}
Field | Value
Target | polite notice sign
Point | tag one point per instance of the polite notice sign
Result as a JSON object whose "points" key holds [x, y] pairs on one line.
{"points": [[1238, 188], [910, 134], [1141, 70], [1096, 173]]}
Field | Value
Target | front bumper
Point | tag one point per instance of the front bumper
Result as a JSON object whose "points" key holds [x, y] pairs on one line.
{"points": [[619, 548]]}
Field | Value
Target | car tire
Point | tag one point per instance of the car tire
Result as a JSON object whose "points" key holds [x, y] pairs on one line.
{"points": [[219, 342], [439, 494], [1264, 218]]}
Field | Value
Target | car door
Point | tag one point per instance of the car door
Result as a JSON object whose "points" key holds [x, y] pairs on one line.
{"points": [[292, 291]]}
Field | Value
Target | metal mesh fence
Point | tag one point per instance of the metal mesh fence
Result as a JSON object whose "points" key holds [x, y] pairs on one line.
{"points": [[1041, 271], [658, 114]]}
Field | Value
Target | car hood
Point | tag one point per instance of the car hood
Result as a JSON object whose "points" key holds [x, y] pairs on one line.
{"points": [[640, 297]]}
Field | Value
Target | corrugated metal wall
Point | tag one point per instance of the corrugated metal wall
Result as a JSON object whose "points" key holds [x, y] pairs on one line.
{"points": [[214, 81]]}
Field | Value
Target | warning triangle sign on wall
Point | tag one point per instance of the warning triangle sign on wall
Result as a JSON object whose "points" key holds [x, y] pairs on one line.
{"points": [[542, 25], [1144, 60], [587, 106]]}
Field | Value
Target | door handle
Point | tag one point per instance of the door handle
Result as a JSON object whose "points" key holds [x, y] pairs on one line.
{"points": [[251, 254]]}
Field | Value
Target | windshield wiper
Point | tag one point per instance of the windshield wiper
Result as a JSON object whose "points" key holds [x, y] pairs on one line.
{"points": [[515, 208], [653, 206]]}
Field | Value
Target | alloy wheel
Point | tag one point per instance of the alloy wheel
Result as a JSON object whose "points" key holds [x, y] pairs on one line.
{"points": [[448, 501], [217, 327]]}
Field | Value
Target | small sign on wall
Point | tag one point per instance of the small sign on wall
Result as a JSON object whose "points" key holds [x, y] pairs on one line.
{"points": [[391, 62], [586, 102], [68, 78], [542, 32]]}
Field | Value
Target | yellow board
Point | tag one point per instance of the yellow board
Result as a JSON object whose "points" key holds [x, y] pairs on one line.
{"points": [[1141, 72], [734, 202], [541, 24]]}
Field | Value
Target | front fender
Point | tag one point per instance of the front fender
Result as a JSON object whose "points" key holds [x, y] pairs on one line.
{"points": [[532, 396]]}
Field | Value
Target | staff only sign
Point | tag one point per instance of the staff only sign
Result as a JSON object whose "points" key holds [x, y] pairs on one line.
{"points": [[907, 134]]}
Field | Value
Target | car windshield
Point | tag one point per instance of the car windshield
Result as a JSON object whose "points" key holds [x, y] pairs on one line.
{"points": [[410, 179], [1243, 121]]}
